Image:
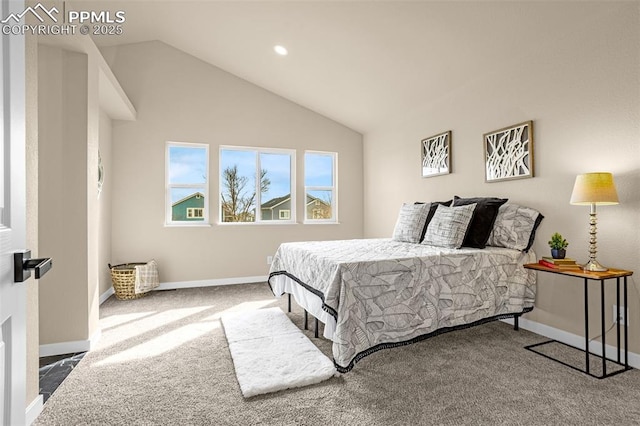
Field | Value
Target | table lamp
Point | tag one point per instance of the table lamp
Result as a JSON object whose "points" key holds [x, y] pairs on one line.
{"points": [[594, 189]]}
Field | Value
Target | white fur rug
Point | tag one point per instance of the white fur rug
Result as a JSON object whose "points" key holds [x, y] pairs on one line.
{"points": [[270, 353]]}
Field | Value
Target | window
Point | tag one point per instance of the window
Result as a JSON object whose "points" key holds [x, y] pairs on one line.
{"points": [[194, 212], [320, 186], [242, 171], [187, 183], [285, 214]]}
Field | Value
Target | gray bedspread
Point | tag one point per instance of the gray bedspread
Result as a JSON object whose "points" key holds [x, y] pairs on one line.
{"points": [[384, 293]]}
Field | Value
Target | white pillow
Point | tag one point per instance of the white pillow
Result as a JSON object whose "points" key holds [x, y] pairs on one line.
{"points": [[410, 223], [449, 226]]}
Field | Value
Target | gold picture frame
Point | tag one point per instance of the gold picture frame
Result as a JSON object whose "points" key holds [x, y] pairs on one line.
{"points": [[508, 153], [436, 154]]}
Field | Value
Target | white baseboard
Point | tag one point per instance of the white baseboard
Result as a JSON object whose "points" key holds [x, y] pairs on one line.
{"points": [[107, 294], [595, 347], [209, 283], [70, 347], [33, 410]]}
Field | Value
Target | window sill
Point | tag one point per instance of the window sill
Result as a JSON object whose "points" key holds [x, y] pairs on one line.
{"points": [[187, 225]]}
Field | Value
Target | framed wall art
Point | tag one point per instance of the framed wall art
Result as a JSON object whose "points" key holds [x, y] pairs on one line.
{"points": [[436, 155], [508, 152]]}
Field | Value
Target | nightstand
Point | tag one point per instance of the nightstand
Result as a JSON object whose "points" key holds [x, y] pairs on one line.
{"points": [[602, 277]]}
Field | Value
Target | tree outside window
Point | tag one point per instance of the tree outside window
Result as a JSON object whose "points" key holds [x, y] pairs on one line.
{"points": [[242, 170]]}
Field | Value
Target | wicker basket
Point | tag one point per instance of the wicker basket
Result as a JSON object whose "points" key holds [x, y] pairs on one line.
{"points": [[124, 281]]}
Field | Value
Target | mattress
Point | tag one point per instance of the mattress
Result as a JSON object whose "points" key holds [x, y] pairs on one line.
{"points": [[376, 293]]}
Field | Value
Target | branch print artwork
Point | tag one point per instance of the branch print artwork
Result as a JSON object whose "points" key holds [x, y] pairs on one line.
{"points": [[436, 158], [509, 153]]}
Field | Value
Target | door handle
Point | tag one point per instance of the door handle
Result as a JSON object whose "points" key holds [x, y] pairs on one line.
{"points": [[23, 264]]}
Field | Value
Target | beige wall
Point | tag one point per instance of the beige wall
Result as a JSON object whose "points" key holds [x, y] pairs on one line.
{"points": [[92, 138], [68, 140], [180, 98], [104, 206], [581, 88]]}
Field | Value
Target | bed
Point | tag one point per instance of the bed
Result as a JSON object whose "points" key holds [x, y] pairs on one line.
{"points": [[373, 294]]}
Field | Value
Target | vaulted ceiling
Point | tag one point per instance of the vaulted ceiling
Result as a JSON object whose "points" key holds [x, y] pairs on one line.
{"points": [[359, 63]]}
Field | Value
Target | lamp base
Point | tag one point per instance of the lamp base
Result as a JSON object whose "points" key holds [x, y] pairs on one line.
{"points": [[593, 266]]}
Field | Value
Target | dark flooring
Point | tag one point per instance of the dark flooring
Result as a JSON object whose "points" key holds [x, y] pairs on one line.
{"points": [[54, 369]]}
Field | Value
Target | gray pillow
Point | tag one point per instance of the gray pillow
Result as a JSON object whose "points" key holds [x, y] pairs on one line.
{"points": [[432, 211], [515, 227], [410, 222], [449, 226]]}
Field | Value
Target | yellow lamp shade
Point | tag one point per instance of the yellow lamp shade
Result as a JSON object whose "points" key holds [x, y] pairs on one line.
{"points": [[594, 188]]}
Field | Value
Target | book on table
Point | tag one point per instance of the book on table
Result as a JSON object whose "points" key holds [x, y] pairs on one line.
{"points": [[565, 261], [562, 266]]}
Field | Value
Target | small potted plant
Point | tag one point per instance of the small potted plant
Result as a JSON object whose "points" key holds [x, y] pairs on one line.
{"points": [[558, 246]]}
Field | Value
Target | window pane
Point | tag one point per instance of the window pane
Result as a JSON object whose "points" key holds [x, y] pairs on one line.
{"points": [[238, 185], [285, 214], [187, 165], [276, 186], [184, 201], [318, 170], [319, 204]]}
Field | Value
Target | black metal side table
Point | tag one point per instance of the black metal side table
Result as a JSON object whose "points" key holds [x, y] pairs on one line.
{"points": [[602, 277]]}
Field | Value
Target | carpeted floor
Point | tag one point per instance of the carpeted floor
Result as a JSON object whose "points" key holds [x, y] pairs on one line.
{"points": [[164, 360]]}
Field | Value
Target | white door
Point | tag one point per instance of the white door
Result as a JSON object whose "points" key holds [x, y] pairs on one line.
{"points": [[12, 224]]}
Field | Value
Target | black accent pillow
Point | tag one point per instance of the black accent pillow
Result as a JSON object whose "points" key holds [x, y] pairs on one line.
{"points": [[432, 211], [482, 221], [533, 232]]}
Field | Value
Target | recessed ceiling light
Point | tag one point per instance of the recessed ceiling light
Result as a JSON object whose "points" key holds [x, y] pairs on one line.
{"points": [[280, 50]]}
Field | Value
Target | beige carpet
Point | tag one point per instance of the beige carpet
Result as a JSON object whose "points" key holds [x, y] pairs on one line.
{"points": [[164, 360]]}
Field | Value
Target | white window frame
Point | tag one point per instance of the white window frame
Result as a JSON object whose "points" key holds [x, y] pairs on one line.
{"points": [[168, 187], [258, 151], [333, 188]]}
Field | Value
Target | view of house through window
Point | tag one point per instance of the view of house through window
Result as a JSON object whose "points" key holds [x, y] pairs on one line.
{"points": [[320, 186], [252, 177], [187, 182]]}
